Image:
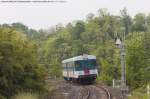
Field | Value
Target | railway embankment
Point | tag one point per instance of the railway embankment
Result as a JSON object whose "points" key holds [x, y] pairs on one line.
{"points": [[60, 89]]}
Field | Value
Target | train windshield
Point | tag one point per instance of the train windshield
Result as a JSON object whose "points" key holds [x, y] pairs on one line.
{"points": [[85, 64]]}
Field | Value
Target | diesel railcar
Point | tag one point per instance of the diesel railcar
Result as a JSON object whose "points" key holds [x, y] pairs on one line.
{"points": [[81, 68]]}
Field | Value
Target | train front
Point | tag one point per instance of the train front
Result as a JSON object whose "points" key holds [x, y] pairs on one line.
{"points": [[86, 69]]}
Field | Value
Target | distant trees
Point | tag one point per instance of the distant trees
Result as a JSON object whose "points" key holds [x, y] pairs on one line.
{"points": [[29, 32], [127, 21], [78, 29], [139, 23], [96, 36]]}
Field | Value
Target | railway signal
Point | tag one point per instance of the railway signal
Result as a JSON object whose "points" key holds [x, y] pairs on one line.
{"points": [[120, 45], [123, 66]]}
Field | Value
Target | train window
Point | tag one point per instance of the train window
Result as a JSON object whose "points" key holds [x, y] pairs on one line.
{"points": [[91, 64], [78, 65], [81, 64], [64, 66], [69, 66]]}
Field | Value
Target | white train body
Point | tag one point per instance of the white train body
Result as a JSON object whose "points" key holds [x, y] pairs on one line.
{"points": [[80, 67]]}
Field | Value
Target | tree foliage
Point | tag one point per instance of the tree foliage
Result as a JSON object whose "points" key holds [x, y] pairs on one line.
{"points": [[136, 60], [19, 69]]}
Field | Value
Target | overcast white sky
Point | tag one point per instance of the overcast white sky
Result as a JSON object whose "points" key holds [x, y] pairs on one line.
{"points": [[44, 15]]}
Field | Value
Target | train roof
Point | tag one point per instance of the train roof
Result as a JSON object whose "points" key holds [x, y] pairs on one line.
{"points": [[81, 57]]}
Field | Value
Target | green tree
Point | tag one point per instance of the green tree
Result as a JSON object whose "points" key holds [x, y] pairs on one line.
{"points": [[137, 60], [126, 20], [139, 23], [19, 69]]}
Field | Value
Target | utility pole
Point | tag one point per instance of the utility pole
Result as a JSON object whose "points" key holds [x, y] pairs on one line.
{"points": [[121, 46], [123, 66], [123, 63], [123, 72]]}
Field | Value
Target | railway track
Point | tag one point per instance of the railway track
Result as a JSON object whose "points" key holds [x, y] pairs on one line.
{"points": [[84, 93], [106, 91], [87, 92]]}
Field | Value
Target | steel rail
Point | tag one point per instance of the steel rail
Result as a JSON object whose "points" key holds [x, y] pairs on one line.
{"points": [[106, 90], [88, 93], [83, 90]]}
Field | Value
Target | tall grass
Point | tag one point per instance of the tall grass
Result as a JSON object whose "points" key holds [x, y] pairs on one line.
{"points": [[26, 95], [137, 95]]}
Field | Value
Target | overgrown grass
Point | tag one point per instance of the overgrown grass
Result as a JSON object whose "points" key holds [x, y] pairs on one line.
{"points": [[26, 95], [2, 97], [139, 94]]}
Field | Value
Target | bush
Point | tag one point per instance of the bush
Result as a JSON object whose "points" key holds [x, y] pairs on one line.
{"points": [[19, 68]]}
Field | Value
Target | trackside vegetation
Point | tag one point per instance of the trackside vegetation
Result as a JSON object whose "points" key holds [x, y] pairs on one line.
{"points": [[19, 68]]}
